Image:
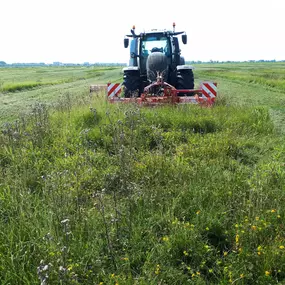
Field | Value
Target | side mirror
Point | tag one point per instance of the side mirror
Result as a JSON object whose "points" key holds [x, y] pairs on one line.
{"points": [[184, 39], [126, 42]]}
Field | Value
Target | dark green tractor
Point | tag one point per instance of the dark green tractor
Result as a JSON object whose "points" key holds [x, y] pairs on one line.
{"points": [[156, 54]]}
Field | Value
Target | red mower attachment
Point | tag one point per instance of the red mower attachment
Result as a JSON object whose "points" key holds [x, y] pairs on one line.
{"points": [[163, 93]]}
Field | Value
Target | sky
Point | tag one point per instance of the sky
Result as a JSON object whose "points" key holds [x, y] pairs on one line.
{"points": [[93, 31]]}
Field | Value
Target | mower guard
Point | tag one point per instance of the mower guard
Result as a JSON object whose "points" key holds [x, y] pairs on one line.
{"points": [[165, 94]]}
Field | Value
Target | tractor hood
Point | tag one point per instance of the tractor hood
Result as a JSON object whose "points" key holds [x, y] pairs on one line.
{"points": [[156, 65]]}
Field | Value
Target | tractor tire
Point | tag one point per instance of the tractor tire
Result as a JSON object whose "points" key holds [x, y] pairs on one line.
{"points": [[185, 80], [131, 83]]}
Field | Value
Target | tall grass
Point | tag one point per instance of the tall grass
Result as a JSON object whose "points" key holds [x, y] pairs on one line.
{"points": [[100, 194]]}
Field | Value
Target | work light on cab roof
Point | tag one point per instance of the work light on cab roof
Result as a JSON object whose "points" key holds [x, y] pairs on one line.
{"points": [[157, 72]]}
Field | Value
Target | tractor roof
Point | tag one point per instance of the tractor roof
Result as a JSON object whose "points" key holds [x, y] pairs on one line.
{"points": [[154, 32]]}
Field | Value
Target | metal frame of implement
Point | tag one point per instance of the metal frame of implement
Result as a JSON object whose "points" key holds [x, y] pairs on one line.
{"points": [[167, 94]]}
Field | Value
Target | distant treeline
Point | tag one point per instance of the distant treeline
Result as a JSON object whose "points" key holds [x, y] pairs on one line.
{"points": [[229, 61], [20, 64]]}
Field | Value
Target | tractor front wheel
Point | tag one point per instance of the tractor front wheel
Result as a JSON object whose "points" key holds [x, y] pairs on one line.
{"points": [[131, 83], [185, 79]]}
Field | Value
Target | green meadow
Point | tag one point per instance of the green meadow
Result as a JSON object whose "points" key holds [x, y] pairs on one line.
{"points": [[96, 193], [21, 88]]}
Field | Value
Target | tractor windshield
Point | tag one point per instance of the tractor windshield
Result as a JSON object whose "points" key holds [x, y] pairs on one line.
{"points": [[155, 44]]}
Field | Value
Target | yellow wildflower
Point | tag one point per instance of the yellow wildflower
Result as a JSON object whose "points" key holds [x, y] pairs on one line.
{"points": [[198, 212], [273, 210], [185, 253], [267, 273], [157, 270], [165, 238], [281, 246], [237, 238], [253, 228], [242, 275], [225, 253]]}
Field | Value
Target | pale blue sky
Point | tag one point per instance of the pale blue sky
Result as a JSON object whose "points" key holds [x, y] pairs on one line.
{"points": [[93, 31]]}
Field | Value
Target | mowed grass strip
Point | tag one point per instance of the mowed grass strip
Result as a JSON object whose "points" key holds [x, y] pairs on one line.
{"points": [[22, 91], [19, 86], [14, 80], [271, 75]]}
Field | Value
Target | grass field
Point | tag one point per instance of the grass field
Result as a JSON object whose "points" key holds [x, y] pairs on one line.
{"points": [[20, 88], [92, 193]]}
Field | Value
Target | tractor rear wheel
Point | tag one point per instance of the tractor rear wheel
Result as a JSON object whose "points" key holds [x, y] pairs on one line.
{"points": [[131, 83], [185, 79]]}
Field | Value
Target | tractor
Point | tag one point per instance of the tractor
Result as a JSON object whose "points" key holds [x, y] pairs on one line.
{"points": [[156, 55], [157, 73]]}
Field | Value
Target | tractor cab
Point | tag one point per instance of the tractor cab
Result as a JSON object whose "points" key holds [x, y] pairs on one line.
{"points": [[151, 43], [155, 43]]}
